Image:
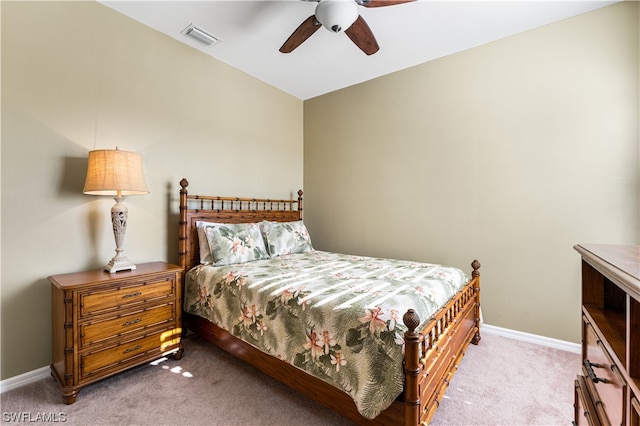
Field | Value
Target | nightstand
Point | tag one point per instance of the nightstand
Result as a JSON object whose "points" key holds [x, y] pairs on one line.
{"points": [[104, 323]]}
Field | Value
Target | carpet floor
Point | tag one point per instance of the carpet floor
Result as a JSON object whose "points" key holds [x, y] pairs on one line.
{"points": [[500, 382]]}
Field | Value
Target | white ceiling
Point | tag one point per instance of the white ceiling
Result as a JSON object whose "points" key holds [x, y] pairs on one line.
{"points": [[408, 34]]}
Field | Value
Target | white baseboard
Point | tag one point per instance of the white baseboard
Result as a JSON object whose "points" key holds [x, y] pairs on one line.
{"points": [[42, 373], [24, 379], [531, 338]]}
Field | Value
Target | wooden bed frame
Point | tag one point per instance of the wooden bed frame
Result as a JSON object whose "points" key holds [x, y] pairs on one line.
{"points": [[432, 354]]}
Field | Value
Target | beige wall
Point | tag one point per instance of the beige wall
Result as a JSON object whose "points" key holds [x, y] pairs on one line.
{"points": [[79, 76], [510, 153]]}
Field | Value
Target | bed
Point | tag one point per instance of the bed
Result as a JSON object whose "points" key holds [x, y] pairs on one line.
{"points": [[417, 356]]}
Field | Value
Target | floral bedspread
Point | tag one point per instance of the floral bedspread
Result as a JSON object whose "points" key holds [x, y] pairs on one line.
{"points": [[335, 316]]}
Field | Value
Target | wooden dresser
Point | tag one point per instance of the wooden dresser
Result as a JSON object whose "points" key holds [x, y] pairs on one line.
{"points": [[105, 323], [608, 391]]}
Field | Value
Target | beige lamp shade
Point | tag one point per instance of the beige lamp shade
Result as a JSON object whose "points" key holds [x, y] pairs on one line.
{"points": [[116, 173]]}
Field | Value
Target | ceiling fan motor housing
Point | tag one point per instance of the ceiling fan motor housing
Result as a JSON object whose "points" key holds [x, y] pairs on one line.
{"points": [[336, 15]]}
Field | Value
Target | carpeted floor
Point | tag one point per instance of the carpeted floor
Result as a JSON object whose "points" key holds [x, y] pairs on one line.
{"points": [[500, 382]]}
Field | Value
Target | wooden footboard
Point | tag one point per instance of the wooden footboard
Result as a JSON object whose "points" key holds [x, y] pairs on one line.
{"points": [[432, 354], [444, 341]]}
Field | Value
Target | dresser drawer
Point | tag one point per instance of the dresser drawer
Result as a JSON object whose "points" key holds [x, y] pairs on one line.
{"points": [[635, 412], [92, 332], [603, 379], [130, 352], [585, 413], [112, 298]]}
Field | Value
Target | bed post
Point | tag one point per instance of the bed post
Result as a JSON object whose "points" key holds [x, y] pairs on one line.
{"points": [[182, 228], [475, 274], [300, 203], [412, 368]]}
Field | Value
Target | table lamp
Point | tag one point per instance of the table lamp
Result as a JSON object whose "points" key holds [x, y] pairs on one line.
{"points": [[116, 173]]}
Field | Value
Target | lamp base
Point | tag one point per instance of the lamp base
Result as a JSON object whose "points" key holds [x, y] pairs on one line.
{"points": [[119, 263], [119, 216]]}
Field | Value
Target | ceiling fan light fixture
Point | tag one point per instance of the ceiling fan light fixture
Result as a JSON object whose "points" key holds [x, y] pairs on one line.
{"points": [[201, 35], [336, 15]]}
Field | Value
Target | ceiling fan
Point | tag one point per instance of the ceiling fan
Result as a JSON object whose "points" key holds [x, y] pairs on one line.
{"points": [[336, 16]]}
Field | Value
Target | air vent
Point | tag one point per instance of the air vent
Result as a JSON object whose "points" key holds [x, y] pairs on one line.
{"points": [[201, 35]]}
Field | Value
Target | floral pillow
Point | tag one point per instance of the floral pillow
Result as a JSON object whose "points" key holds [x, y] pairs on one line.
{"points": [[235, 243], [205, 252], [286, 237]]}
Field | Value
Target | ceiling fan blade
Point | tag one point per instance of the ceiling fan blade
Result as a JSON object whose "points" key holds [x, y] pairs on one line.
{"points": [[303, 32], [380, 3], [360, 33]]}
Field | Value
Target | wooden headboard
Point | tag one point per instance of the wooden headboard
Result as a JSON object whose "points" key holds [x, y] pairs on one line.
{"points": [[225, 210]]}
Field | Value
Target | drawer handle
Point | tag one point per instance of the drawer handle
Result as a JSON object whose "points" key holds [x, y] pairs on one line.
{"points": [[135, 348], [137, 293], [592, 375], [135, 321]]}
